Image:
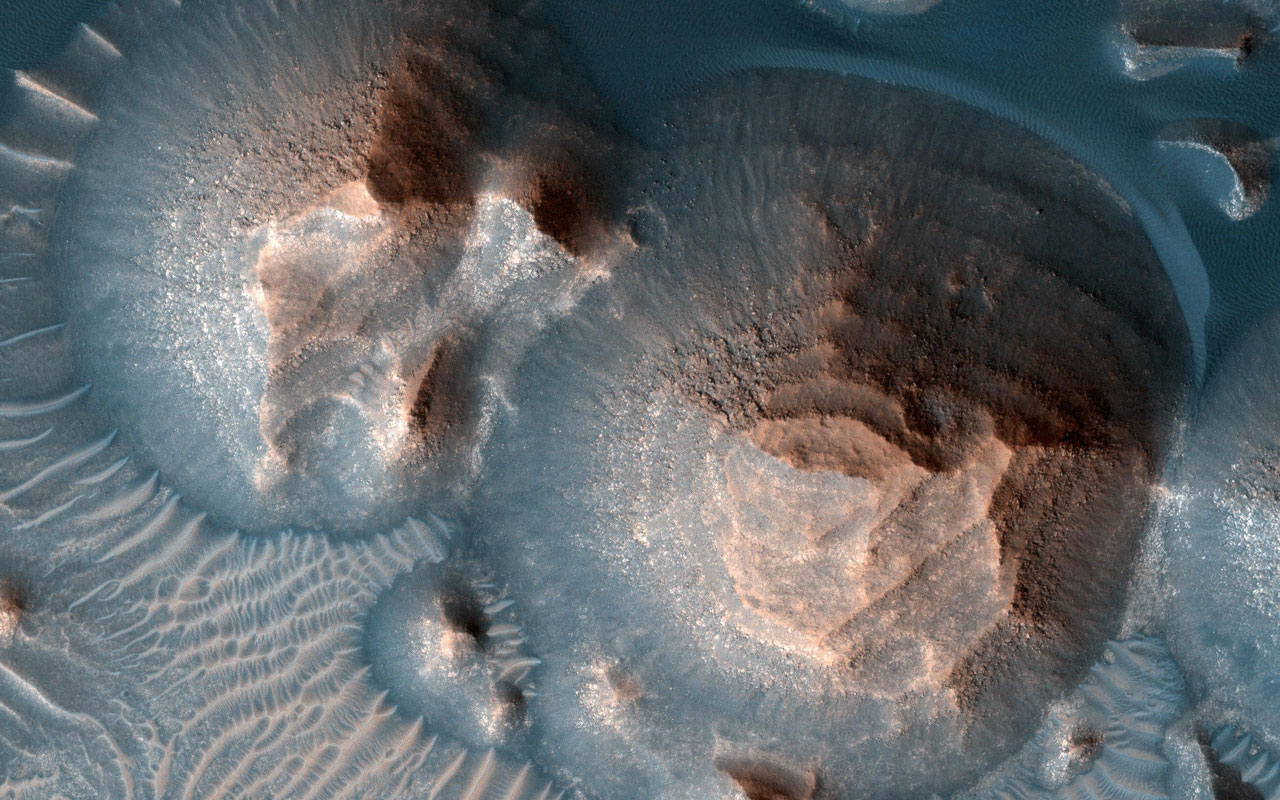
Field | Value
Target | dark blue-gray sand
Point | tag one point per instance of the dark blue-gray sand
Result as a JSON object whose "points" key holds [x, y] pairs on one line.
{"points": [[678, 399]]}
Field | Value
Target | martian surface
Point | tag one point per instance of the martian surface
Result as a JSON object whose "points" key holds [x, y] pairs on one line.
{"points": [[715, 400]]}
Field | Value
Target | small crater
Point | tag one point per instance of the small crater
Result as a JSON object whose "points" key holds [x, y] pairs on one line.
{"points": [[627, 686], [513, 700], [1248, 42], [646, 227], [1086, 744]]}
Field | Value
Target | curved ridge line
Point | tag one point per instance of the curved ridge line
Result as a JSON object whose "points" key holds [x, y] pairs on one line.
{"points": [[1259, 769], [48, 515], [22, 337], [104, 474], [516, 789], [128, 501], [157, 521], [34, 158], [28, 82], [480, 778], [101, 41], [183, 537], [12, 409], [18, 444], [450, 770], [73, 459]]}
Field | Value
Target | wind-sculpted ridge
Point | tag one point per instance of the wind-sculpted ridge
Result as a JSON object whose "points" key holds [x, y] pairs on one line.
{"points": [[226, 626], [223, 666]]}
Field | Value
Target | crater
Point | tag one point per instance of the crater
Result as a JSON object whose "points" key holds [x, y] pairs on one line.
{"points": [[926, 481], [1084, 745], [444, 642], [875, 458], [461, 610], [345, 257]]}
